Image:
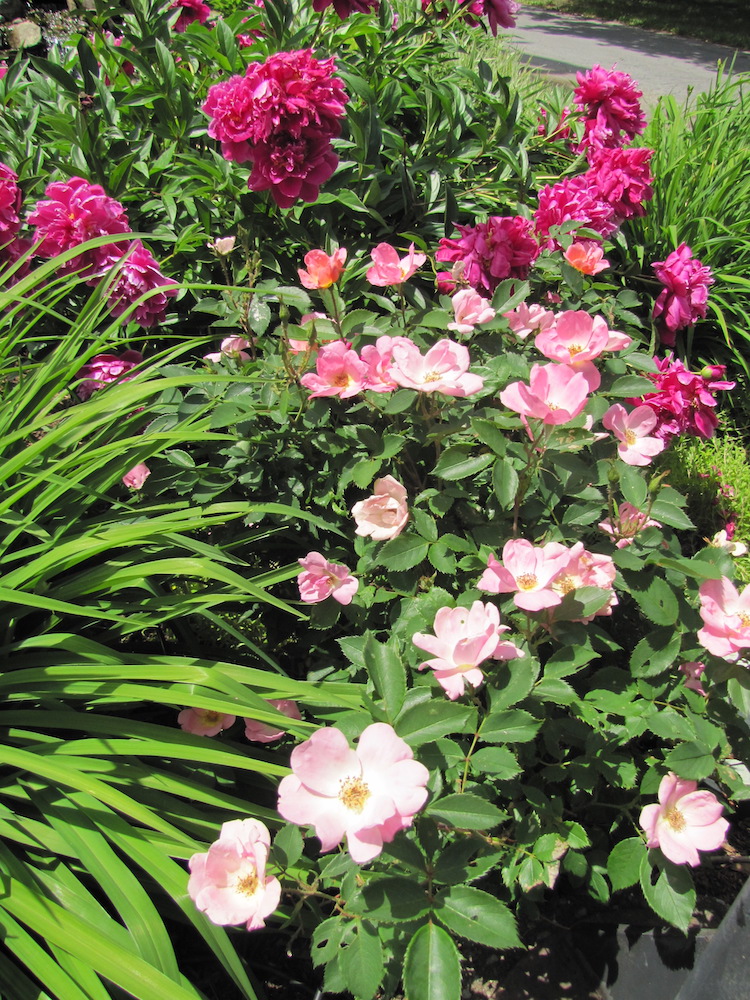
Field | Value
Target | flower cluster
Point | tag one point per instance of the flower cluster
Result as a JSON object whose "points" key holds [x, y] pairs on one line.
{"points": [[499, 13], [573, 199], [503, 247], [684, 298], [281, 116], [208, 722], [628, 523], [610, 105]]}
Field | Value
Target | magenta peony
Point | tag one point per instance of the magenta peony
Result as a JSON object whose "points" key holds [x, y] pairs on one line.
{"points": [[344, 8], [103, 369], [10, 203], [139, 275], [684, 822], [683, 300], [503, 247], [573, 199], [623, 179], [190, 11], [610, 103]]}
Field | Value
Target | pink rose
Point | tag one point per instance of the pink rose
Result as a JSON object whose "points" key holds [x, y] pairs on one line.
{"points": [[633, 430], [470, 310], [383, 515], [204, 721], [684, 822], [726, 618], [389, 269], [527, 571], [231, 347], [137, 476], [321, 579], [444, 368], [263, 732], [322, 270]]}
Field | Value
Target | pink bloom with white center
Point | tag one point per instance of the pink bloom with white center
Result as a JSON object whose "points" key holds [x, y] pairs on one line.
{"points": [[444, 368], [204, 721], [263, 732], [229, 882], [586, 256], [524, 320], [464, 638], [383, 515], [338, 372], [365, 795], [321, 579], [470, 310], [231, 347], [378, 357], [390, 269], [629, 522], [633, 430], [726, 618], [556, 394], [103, 369], [575, 339], [684, 821], [528, 570], [587, 569], [693, 672], [137, 476], [322, 270]]}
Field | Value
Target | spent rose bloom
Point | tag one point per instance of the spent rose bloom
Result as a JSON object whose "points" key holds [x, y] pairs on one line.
{"points": [[637, 446], [383, 515], [524, 320], [365, 795], [586, 256], [502, 247], [726, 618], [204, 721], [555, 394], [444, 368], [339, 371], [628, 523], [610, 103], [137, 476], [230, 347], [321, 579], [390, 269], [683, 300], [346, 7], [263, 732], [469, 310], [229, 883], [103, 369], [527, 571], [322, 270], [139, 275], [693, 672], [464, 638], [684, 822]]}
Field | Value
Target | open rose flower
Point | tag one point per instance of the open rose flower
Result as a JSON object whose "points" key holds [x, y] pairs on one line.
{"points": [[204, 721], [633, 430], [527, 571], [469, 310], [339, 371], [365, 795], [231, 347], [263, 732], [555, 394], [444, 368], [322, 270], [390, 269], [229, 882], [684, 822], [383, 515], [726, 618], [586, 256], [321, 579]]}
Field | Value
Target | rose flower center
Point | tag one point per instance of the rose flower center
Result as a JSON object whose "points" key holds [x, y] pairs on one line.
{"points": [[630, 438], [354, 794], [248, 884], [527, 581], [675, 818]]}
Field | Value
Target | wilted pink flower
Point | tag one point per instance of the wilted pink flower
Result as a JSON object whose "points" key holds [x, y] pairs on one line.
{"points": [[379, 357], [320, 579], [137, 476], [555, 394], [322, 270], [139, 275], [339, 372], [229, 882], [190, 10], [470, 310], [444, 368], [683, 300], [204, 721], [726, 618], [610, 103], [693, 672], [464, 638], [390, 269], [103, 369], [623, 179], [222, 246], [587, 569], [263, 732], [586, 257], [500, 13], [366, 795], [383, 515], [573, 199], [526, 571], [524, 319], [231, 347], [628, 523], [346, 7], [633, 430], [502, 247], [684, 822], [10, 203]]}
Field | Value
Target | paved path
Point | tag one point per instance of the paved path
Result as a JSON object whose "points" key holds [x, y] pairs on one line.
{"points": [[660, 63]]}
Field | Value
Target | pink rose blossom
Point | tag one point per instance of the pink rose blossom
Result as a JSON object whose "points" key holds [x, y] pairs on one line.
{"points": [[365, 795], [502, 247], [204, 721], [321, 579], [390, 269], [586, 257], [469, 310], [629, 522], [575, 339], [683, 300], [610, 102], [684, 822], [526, 571], [379, 357], [263, 732], [103, 369], [338, 372], [556, 394], [633, 430], [444, 368], [383, 515], [587, 569], [139, 275], [322, 270], [693, 672], [524, 320], [229, 882], [222, 246], [231, 347], [726, 618], [572, 199], [137, 476], [464, 638], [190, 10]]}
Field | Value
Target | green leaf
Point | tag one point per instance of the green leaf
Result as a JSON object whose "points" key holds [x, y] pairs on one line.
{"points": [[490, 434], [288, 845], [430, 719], [690, 760], [633, 485], [477, 916], [403, 552], [514, 726], [466, 811], [521, 675], [673, 896], [553, 689], [390, 899], [658, 602], [362, 961], [630, 385], [461, 461], [432, 968], [504, 482], [669, 513], [497, 761], [624, 862], [384, 666], [655, 653]]}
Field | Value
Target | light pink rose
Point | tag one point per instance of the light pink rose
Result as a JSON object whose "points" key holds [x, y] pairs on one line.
{"points": [[587, 569], [684, 822], [384, 514], [528, 570], [229, 882], [263, 732], [389, 269], [629, 522], [321, 579], [464, 638], [204, 721], [555, 394], [231, 347], [726, 618], [525, 320], [137, 476], [470, 310], [338, 372], [379, 357], [365, 795], [444, 368], [693, 672], [637, 446]]}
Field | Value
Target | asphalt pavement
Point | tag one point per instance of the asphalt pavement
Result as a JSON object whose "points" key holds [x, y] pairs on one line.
{"points": [[661, 64]]}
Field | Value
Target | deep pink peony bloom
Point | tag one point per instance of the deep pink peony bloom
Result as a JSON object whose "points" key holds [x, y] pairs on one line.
{"points": [[293, 169], [322, 270], [103, 369], [586, 256], [204, 721], [683, 300], [384, 514], [633, 430], [263, 732], [321, 579], [365, 795], [469, 310], [190, 10], [344, 8], [139, 275], [552, 132], [527, 571], [464, 638], [390, 269], [726, 618], [229, 882], [444, 368], [10, 203], [524, 320], [338, 372], [610, 103], [230, 347], [502, 247], [75, 211], [623, 179], [137, 476], [628, 523], [573, 199], [684, 821], [500, 13], [555, 394], [693, 672]]}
